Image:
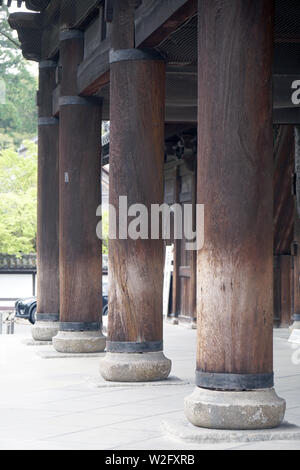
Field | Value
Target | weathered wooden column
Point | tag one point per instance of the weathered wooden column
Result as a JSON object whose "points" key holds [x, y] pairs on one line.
{"points": [[234, 374], [80, 195], [137, 100], [47, 316], [295, 336]]}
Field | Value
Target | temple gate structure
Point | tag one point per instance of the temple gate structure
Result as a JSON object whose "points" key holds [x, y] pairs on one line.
{"points": [[203, 100]]}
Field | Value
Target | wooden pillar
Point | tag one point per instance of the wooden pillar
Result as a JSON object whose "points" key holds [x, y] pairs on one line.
{"points": [[296, 254], [136, 171], [296, 244], [46, 325], [176, 260], [80, 195], [283, 291], [235, 267]]}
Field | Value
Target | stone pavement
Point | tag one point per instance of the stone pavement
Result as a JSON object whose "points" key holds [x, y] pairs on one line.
{"points": [[60, 403]]}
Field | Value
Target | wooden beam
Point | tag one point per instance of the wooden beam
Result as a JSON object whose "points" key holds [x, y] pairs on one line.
{"points": [[287, 40], [76, 13], [181, 89], [79, 13], [181, 83], [155, 22], [93, 73], [286, 116]]}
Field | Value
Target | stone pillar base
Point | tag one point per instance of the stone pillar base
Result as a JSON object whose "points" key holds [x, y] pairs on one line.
{"points": [[257, 409], [135, 367], [79, 341], [44, 330]]}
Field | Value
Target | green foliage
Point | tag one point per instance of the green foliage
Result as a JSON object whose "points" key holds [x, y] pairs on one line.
{"points": [[9, 45], [18, 200], [18, 172], [18, 114]]}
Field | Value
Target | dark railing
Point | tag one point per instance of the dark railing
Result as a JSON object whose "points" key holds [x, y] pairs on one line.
{"points": [[11, 263], [27, 263]]}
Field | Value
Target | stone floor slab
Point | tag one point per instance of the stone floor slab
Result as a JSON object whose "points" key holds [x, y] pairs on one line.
{"points": [[295, 337], [185, 432], [60, 409], [32, 342], [282, 333], [99, 382], [57, 355]]}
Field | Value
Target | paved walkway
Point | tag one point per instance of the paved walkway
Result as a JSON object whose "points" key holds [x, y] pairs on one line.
{"points": [[55, 404]]}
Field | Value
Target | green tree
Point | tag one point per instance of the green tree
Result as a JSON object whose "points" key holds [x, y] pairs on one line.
{"points": [[18, 200], [18, 114], [18, 172]]}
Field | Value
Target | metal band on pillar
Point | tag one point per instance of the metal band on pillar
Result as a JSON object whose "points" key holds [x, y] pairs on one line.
{"points": [[78, 100], [48, 121], [235, 382], [47, 317], [68, 34], [134, 54], [80, 326], [133, 347], [47, 64]]}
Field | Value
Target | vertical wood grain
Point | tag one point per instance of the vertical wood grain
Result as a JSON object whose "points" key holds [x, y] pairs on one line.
{"points": [[48, 189], [235, 172], [136, 171], [80, 195]]}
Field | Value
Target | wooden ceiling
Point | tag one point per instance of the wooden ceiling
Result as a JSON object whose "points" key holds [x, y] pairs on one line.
{"points": [[170, 27]]}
